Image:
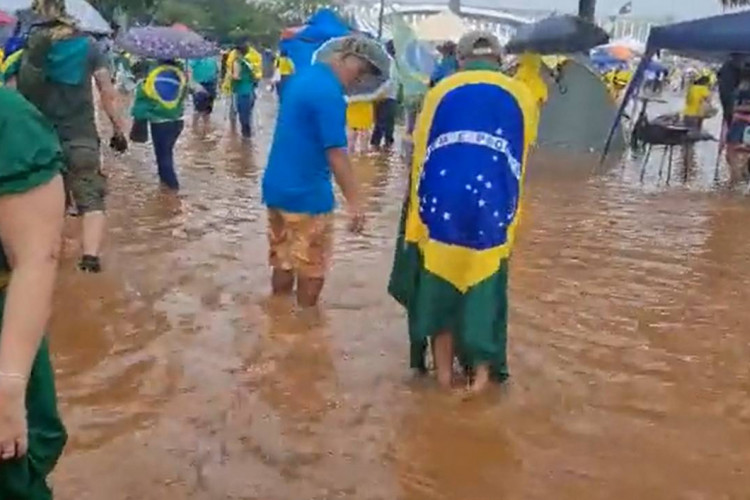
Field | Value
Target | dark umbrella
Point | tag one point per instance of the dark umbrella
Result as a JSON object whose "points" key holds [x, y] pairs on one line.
{"points": [[557, 35], [166, 43]]}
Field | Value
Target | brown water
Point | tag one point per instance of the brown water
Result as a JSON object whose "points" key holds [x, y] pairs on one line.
{"points": [[629, 348]]}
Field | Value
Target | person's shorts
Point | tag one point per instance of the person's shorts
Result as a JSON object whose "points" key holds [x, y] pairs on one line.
{"points": [[300, 242], [84, 181], [738, 134]]}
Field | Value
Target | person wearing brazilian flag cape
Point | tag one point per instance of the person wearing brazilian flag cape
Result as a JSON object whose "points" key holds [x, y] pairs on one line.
{"points": [[450, 270]]}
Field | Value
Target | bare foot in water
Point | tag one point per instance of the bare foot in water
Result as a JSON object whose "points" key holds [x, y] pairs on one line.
{"points": [[481, 380]]}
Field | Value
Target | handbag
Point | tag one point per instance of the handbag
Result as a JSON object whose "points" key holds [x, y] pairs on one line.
{"points": [[139, 132]]}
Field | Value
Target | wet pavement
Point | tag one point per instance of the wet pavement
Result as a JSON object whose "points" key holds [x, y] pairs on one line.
{"points": [[179, 378]]}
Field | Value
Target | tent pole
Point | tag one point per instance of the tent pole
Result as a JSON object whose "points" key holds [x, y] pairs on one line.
{"points": [[380, 19]]}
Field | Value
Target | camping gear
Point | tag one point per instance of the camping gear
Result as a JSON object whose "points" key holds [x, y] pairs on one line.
{"points": [[578, 111], [370, 87], [441, 27], [557, 35], [711, 38], [87, 17], [159, 42]]}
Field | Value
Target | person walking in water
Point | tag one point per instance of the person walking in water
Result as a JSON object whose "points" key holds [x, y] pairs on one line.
{"points": [[205, 72], [160, 100], [309, 145], [32, 208], [57, 68], [450, 270], [243, 88]]}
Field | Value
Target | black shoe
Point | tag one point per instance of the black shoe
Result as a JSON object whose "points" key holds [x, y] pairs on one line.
{"points": [[90, 264]]}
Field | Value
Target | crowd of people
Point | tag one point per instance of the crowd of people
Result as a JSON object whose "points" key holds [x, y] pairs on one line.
{"points": [[471, 138]]}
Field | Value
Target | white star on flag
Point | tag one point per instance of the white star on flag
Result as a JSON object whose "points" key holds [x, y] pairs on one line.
{"points": [[488, 185], [496, 214], [443, 172], [480, 177], [434, 200], [468, 187], [482, 203], [446, 216], [494, 158]]}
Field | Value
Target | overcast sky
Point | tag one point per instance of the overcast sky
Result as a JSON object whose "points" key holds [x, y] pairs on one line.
{"points": [[680, 9]]}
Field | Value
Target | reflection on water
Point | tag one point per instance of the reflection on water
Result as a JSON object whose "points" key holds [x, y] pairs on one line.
{"points": [[179, 378]]}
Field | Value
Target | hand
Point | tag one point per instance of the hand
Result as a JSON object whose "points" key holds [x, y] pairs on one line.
{"points": [[118, 142], [14, 441], [357, 219]]}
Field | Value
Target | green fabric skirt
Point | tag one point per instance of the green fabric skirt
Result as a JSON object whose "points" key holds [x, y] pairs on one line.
{"points": [[26, 478], [478, 319]]}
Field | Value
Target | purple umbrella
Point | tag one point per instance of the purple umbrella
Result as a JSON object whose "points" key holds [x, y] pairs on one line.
{"points": [[159, 42]]}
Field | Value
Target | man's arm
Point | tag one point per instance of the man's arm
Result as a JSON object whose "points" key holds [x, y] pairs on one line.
{"points": [[338, 159], [108, 96], [30, 230]]}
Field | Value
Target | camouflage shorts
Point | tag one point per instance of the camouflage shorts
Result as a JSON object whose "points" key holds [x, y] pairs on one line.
{"points": [[300, 242], [84, 181]]}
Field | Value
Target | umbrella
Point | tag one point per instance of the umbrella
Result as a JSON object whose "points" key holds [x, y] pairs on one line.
{"points": [[441, 27], [155, 42], [6, 19], [372, 86], [87, 17], [557, 35]]}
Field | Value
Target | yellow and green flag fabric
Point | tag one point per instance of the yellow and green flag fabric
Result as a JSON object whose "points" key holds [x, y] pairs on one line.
{"points": [[459, 220]]}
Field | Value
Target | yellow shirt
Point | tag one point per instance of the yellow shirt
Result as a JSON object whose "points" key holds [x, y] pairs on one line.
{"points": [[360, 115], [285, 66], [695, 100], [255, 60]]}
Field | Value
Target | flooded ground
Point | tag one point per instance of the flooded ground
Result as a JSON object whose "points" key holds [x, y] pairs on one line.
{"points": [[629, 347]]}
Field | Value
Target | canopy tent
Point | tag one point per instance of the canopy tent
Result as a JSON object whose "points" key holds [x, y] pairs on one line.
{"points": [[714, 37], [301, 43], [578, 111], [443, 26]]}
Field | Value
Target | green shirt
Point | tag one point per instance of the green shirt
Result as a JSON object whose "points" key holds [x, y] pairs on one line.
{"points": [[30, 152], [246, 83], [480, 65]]}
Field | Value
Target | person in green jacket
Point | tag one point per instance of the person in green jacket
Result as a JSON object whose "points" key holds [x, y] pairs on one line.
{"points": [[160, 100], [32, 207]]}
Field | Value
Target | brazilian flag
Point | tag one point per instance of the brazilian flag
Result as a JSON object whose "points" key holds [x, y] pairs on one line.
{"points": [[450, 270]]}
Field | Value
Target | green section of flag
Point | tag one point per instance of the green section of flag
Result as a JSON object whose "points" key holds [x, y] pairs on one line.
{"points": [[477, 318]]}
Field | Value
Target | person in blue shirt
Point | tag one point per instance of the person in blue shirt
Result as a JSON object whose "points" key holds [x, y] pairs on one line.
{"points": [[448, 64], [309, 146]]}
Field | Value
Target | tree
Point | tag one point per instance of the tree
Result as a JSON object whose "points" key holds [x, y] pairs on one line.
{"points": [[728, 4]]}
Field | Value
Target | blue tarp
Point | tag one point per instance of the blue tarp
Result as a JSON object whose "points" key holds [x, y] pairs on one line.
{"points": [[723, 34], [718, 36], [321, 27]]}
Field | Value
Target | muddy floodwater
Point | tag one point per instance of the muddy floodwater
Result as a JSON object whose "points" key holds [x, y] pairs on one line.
{"points": [[629, 346]]}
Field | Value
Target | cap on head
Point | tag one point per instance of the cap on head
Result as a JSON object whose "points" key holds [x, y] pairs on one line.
{"points": [[479, 44], [367, 50]]}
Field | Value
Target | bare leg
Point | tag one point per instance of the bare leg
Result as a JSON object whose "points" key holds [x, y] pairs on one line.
{"points": [[94, 224], [309, 290], [443, 353], [481, 379], [282, 282]]}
